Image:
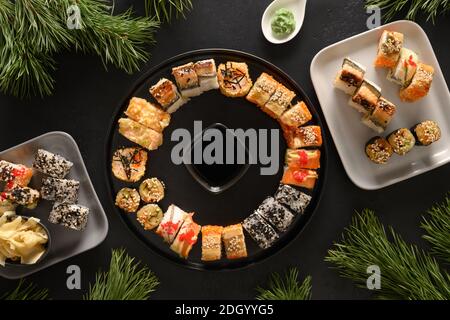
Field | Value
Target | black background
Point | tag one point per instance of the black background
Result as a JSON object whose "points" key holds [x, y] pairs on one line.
{"points": [[87, 96]]}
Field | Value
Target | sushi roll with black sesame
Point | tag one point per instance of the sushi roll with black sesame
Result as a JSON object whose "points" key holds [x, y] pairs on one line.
{"points": [[402, 141], [426, 132], [260, 230], [294, 199], [350, 76], [51, 164], [23, 196], [71, 216], [276, 214], [378, 150], [366, 97], [381, 116], [60, 190]]}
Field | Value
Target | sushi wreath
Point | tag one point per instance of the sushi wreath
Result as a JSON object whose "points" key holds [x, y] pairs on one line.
{"points": [[156, 205]]}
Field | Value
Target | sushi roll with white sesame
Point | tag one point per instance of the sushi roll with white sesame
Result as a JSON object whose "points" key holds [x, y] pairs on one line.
{"points": [[167, 95], [294, 199], [276, 214], [405, 68], [71, 216], [187, 80], [402, 141], [260, 230], [378, 150], [51, 164], [389, 48], [426, 132], [366, 97], [23, 196], [381, 116], [350, 77], [60, 190], [207, 74]]}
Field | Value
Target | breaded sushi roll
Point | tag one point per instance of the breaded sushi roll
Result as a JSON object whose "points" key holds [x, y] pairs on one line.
{"points": [[420, 84], [234, 79], [187, 80], [381, 116], [296, 116], [378, 150], [279, 102], [262, 90], [137, 133], [303, 158], [301, 178], [350, 77], [402, 141], [167, 95], [207, 74], [147, 114], [389, 48], [426, 132], [366, 97], [405, 69]]}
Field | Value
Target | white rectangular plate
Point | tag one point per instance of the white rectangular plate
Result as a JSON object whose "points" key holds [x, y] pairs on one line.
{"points": [[350, 135], [65, 243]]}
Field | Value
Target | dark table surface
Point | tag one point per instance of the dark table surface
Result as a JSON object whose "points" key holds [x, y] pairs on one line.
{"points": [[86, 97]]}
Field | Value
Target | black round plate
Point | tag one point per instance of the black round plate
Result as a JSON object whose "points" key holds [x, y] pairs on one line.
{"points": [[237, 202]]}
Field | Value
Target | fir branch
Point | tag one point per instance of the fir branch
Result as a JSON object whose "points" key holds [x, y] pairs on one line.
{"points": [[125, 280], [437, 227], [286, 288], [29, 292], [406, 271], [165, 10]]}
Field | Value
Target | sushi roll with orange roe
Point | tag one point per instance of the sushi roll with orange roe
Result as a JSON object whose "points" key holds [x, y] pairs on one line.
{"points": [[389, 49]]}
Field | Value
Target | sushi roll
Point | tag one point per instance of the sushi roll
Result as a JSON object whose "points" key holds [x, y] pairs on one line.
{"points": [[129, 164], [420, 84], [402, 141], [260, 231], [187, 80], [70, 216], [51, 164], [294, 199], [137, 133], [234, 241], [426, 132], [149, 216], [303, 158], [389, 48], [151, 190], [366, 97], [171, 223], [60, 190], [128, 200], [276, 214], [381, 116], [6, 205], [23, 196], [309, 136], [167, 95], [296, 116], [15, 174], [379, 150], [211, 243], [207, 74], [262, 90], [279, 102], [147, 114], [301, 178], [234, 79], [350, 76], [404, 70], [186, 238]]}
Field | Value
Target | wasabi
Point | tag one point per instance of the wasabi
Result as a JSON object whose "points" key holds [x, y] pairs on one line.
{"points": [[283, 23]]}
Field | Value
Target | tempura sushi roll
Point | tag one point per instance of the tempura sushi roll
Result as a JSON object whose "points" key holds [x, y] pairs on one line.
{"points": [[426, 132], [70, 216], [381, 116], [296, 200], [389, 47], [23, 196], [51, 164], [147, 114], [260, 230], [420, 84], [167, 95], [234, 79], [60, 190], [303, 158], [301, 178], [234, 241], [171, 223], [279, 102], [186, 238], [309, 136], [137, 133], [211, 243], [207, 74], [350, 77], [402, 141], [187, 80], [276, 214], [262, 90], [365, 97], [296, 116], [378, 150], [15, 174], [403, 72]]}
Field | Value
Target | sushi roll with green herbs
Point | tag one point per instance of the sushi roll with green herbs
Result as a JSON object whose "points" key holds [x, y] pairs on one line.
{"points": [[402, 141]]}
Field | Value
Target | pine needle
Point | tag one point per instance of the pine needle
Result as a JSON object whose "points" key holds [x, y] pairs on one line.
{"points": [[286, 287], [29, 292], [125, 280], [437, 227], [166, 10], [406, 271]]}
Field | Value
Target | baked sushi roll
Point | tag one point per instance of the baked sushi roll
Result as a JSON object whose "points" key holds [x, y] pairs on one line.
{"points": [[128, 200], [420, 84], [279, 102], [378, 150], [426, 132], [137, 133], [294, 199], [389, 48], [152, 190], [60, 190], [405, 69], [167, 95], [276, 214], [207, 74], [149, 216], [23, 196], [365, 97], [296, 116], [129, 164], [309, 136], [381, 116], [187, 80], [51, 164], [303, 158], [262, 90], [70, 216], [15, 175], [350, 77], [401, 141], [234, 79], [260, 231], [147, 114], [211, 243], [301, 178], [234, 241], [186, 238], [171, 223]]}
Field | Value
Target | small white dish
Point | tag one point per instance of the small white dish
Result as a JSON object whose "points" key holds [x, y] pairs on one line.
{"points": [[297, 7], [350, 135]]}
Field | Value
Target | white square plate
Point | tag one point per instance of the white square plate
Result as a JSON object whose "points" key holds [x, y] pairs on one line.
{"points": [[350, 135]]}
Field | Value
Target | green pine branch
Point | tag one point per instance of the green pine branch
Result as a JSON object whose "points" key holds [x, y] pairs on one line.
{"points": [[26, 292], [406, 271], [286, 288], [166, 10]]}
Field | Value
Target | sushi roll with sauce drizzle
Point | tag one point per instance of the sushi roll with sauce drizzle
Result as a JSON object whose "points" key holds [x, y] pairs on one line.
{"points": [[22, 196], [420, 84], [187, 80], [389, 49], [350, 76], [378, 150], [303, 158], [167, 95], [301, 178], [381, 116], [15, 174], [366, 97], [405, 69], [402, 141], [171, 223], [207, 74], [262, 90], [234, 79], [279, 102], [426, 132]]}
